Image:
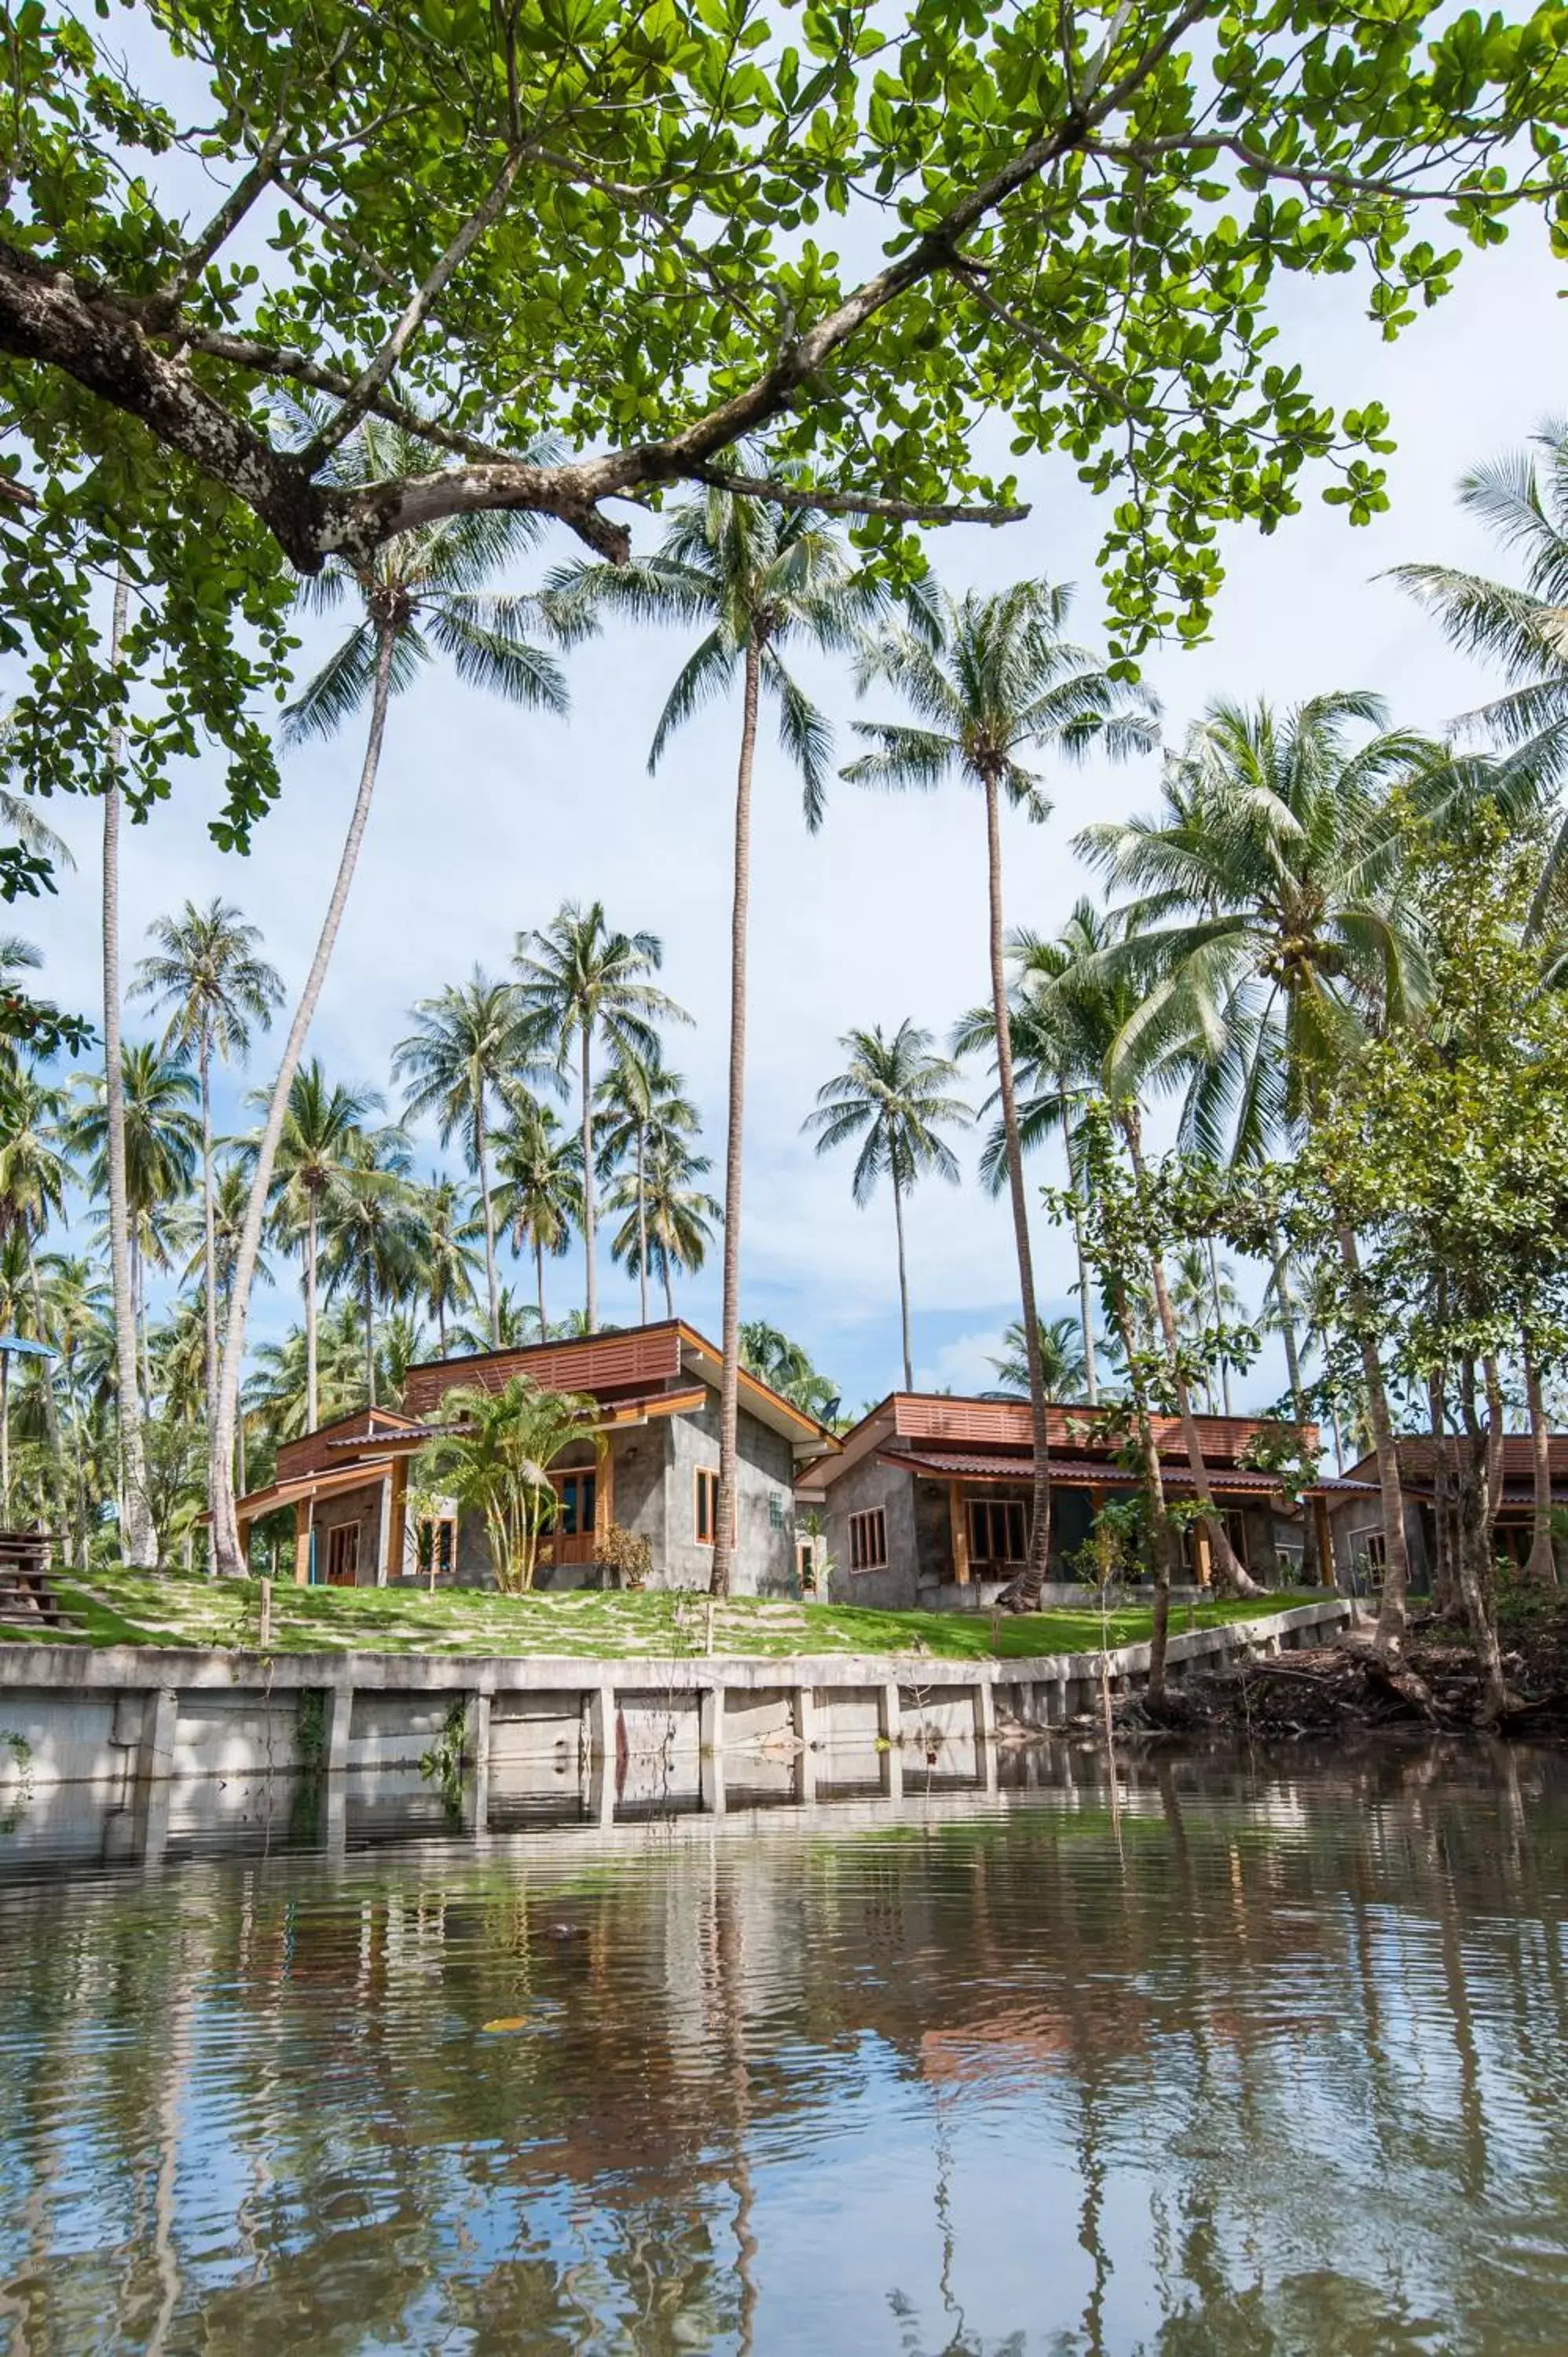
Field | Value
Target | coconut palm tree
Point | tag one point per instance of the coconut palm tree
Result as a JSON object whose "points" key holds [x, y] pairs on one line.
{"points": [[540, 1198], [138, 1539], [278, 1396], [1268, 930], [35, 1173], [1523, 502], [76, 1307], [423, 595], [672, 1218], [520, 1328], [208, 976], [1050, 1074], [987, 678], [445, 1256], [160, 1140], [785, 1366], [1077, 1004], [641, 1109], [495, 1459], [470, 1045], [1204, 1296], [756, 580], [316, 1154], [19, 814], [892, 1098], [583, 982], [373, 1234], [1062, 1360]]}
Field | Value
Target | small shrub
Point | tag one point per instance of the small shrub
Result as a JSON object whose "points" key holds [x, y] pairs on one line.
{"points": [[628, 1555]]}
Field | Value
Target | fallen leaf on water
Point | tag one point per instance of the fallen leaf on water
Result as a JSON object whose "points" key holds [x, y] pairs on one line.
{"points": [[504, 2022]]}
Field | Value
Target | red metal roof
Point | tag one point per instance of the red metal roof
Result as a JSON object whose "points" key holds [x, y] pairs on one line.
{"points": [[1005, 1424], [1075, 1471], [1078, 1473]]}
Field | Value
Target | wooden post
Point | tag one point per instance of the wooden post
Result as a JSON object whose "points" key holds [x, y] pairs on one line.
{"points": [[244, 1533], [604, 1494], [383, 1531], [301, 1541], [1326, 1571], [1200, 1555], [399, 1546], [960, 1522]]}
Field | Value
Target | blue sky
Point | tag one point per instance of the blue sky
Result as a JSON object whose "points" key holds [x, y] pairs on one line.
{"points": [[487, 820]]}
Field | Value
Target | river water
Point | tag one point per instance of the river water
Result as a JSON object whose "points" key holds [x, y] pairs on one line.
{"points": [[1267, 2060]]}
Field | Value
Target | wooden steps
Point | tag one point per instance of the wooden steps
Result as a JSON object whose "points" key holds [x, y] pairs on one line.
{"points": [[27, 1599]]}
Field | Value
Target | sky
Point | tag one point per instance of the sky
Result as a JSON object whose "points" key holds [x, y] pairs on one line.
{"points": [[486, 820]]}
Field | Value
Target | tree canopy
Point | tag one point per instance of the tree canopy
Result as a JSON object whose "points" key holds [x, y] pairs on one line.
{"points": [[587, 251]]}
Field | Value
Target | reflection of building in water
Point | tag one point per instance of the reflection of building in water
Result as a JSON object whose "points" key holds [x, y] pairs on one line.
{"points": [[747, 2075]]}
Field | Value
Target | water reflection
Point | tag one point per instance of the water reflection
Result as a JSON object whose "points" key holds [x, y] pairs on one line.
{"points": [[1272, 2062]]}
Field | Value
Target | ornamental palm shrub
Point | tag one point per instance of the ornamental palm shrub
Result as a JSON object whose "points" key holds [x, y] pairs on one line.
{"points": [[495, 1460]]}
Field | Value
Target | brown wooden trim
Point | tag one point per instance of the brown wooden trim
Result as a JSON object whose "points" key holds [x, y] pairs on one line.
{"points": [[957, 1518]]}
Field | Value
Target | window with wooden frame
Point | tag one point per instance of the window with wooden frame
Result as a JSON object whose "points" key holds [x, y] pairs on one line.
{"points": [[706, 1521], [868, 1540], [343, 1556], [997, 1530], [436, 1544]]}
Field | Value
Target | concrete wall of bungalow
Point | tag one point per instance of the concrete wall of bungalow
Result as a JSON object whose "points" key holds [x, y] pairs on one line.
{"points": [[653, 1469], [648, 1483], [929, 1503]]}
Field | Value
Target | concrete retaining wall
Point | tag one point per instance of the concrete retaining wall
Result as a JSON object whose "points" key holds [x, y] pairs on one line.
{"points": [[131, 1713]]}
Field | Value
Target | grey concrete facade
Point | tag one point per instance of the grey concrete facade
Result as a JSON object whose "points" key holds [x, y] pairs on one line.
{"points": [[650, 1485], [920, 1572]]}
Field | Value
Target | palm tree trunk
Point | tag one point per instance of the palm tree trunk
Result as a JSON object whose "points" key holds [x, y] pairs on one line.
{"points": [[138, 1542], [1446, 1595], [642, 1236], [481, 1157], [61, 1502], [139, 1302], [312, 1323], [1085, 1317], [1155, 1502], [1312, 1571], [538, 1272], [1219, 1321], [209, 1226], [903, 1284], [369, 1333], [220, 1477], [1040, 1509], [1541, 1566], [79, 1534], [729, 1378], [1474, 1547], [1393, 1615], [1228, 1571], [591, 1303], [669, 1286], [5, 1438]]}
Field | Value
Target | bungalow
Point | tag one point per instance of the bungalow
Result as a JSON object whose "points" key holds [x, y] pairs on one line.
{"points": [[928, 1497], [649, 1462], [1357, 1509]]}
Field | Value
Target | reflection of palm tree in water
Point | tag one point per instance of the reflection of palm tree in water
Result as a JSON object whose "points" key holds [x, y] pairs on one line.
{"points": [[729, 1956]]}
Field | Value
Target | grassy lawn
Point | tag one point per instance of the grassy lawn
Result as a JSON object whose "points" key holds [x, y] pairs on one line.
{"points": [[133, 1608]]}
